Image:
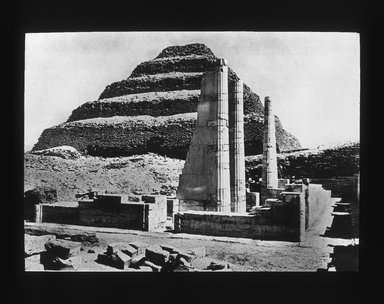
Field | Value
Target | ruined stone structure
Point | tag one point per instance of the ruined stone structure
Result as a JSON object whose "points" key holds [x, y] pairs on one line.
{"points": [[286, 215], [137, 212], [205, 180], [269, 173]]}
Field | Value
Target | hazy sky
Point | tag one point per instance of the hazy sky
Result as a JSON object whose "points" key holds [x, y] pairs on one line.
{"points": [[313, 79]]}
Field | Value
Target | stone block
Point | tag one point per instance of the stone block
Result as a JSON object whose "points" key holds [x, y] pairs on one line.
{"points": [[134, 198], [152, 199], [35, 244], [62, 248], [198, 252], [117, 259], [139, 246], [157, 255], [123, 247], [155, 268], [137, 261]]}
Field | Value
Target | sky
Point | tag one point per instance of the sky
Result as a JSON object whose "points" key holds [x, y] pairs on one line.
{"points": [[312, 78]]}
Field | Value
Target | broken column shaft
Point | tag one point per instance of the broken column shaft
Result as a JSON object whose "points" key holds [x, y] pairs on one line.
{"points": [[269, 166], [236, 146], [205, 180]]}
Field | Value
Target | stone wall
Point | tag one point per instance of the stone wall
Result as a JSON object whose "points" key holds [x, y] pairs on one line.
{"points": [[265, 226], [126, 216], [60, 214], [287, 214], [146, 216]]}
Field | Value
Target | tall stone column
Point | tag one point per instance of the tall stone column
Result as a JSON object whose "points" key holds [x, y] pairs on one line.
{"points": [[204, 183], [236, 146], [269, 166], [223, 172]]}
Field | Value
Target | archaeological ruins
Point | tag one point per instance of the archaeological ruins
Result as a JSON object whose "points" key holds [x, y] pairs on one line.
{"points": [[234, 181], [211, 197]]}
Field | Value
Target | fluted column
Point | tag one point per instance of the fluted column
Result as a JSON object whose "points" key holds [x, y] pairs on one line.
{"points": [[236, 146], [223, 172], [269, 174]]}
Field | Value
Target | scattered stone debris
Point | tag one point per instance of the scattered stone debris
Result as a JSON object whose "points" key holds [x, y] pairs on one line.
{"points": [[123, 247], [138, 256]]}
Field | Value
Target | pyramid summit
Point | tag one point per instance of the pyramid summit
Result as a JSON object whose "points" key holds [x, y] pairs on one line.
{"points": [[154, 110]]}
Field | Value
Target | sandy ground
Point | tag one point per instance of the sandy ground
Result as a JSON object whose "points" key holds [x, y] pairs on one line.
{"points": [[242, 254]]}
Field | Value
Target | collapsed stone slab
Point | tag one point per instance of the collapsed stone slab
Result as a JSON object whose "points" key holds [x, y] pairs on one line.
{"points": [[157, 255]]}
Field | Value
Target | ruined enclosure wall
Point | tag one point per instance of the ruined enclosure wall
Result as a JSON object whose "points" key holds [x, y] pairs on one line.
{"points": [[59, 214], [126, 216], [262, 226], [136, 216]]}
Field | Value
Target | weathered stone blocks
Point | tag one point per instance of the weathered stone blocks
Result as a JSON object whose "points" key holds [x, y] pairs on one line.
{"points": [[157, 255], [123, 247]]}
